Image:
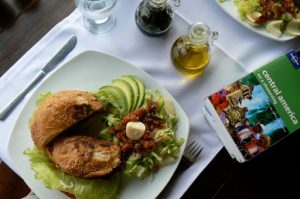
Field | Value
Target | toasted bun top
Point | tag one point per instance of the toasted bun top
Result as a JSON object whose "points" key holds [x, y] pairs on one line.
{"points": [[59, 112]]}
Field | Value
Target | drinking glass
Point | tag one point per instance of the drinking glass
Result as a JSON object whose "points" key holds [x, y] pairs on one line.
{"points": [[98, 14]]}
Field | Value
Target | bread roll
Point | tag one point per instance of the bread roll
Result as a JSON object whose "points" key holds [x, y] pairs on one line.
{"points": [[85, 157], [59, 112]]}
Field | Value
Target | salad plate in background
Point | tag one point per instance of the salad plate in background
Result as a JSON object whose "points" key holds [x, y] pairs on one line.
{"points": [[269, 29], [89, 71]]}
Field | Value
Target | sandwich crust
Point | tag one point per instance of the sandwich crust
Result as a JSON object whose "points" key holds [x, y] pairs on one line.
{"points": [[84, 156], [59, 112]]}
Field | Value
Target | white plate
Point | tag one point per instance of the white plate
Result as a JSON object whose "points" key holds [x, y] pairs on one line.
{"points": [[89, 71], [229, 7]]}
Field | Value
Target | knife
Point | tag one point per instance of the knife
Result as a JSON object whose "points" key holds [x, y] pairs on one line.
{"points": [[58, 57]]}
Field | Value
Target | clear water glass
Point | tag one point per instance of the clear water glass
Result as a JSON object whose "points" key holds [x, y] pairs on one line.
{"points": [[98, 14]]}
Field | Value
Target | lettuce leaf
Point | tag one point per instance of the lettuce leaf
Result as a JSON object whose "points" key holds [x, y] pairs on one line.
{"points": [[54, 178], [247, 6], [104, 134], [42, 97]]}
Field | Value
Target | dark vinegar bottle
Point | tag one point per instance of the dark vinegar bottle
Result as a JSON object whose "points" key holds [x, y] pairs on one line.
{"points": [[155, 17]]}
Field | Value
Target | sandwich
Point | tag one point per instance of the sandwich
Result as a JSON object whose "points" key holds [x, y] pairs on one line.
{"points": [[72, 152]]}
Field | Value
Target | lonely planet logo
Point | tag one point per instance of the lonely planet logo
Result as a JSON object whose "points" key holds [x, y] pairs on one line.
{"points": [[294, 58]]}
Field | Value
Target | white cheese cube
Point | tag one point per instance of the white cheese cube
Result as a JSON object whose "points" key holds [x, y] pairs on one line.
{"points": [[135, 130]]}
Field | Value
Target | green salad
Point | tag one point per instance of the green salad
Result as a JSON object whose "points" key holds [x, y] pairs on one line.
{"points": [[277, 16], [167, 147], [140, 120]]}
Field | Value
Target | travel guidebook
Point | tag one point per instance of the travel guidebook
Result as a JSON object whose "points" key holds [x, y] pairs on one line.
{"points": [[258, 110]]}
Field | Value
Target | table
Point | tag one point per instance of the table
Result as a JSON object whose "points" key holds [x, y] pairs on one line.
{"points": [[274, 174]]}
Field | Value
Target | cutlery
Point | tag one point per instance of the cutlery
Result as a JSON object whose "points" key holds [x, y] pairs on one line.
{"points": [[190, 155], [58, 57]]}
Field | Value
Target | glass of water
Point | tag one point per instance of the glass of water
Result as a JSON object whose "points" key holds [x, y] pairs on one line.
{"points": [[98, 14]]}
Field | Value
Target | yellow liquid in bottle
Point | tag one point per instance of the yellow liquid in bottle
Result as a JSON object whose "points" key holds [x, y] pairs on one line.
{"points": [[190, 60]]}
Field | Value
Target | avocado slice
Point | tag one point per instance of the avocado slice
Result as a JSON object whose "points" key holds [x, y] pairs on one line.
{"points": [[117, 96], [141, 89], [128, 91], [135, 88], [104, 95]]}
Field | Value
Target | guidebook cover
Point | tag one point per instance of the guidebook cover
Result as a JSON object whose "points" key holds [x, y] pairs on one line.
{"points": [[259, 109]]}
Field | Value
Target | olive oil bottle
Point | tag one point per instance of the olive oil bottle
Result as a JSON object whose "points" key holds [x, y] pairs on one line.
{"points": [[190, 54]]}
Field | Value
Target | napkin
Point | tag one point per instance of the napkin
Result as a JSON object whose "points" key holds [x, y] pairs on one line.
{"points": [[149, 53]]}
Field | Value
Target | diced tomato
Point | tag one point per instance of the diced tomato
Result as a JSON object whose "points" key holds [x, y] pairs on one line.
{"points": [[146, 143]]}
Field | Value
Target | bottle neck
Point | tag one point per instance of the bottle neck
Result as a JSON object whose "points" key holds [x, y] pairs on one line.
{"points": [[199, 34], [157, 3], [189, 43]]}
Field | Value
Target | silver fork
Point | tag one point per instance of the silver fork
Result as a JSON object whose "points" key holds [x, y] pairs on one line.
{"points": [[190, 155]]}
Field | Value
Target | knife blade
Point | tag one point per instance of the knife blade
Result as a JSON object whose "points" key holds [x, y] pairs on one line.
{"points": [[54, 61]]}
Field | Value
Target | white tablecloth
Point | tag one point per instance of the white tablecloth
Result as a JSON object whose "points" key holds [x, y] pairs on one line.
{"points": [[236, 47]]}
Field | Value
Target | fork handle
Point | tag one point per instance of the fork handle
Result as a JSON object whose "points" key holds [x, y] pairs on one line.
{"points": [[183, 165]]}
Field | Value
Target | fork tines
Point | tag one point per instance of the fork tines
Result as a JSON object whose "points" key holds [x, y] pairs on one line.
{"points": [[192, 151]]}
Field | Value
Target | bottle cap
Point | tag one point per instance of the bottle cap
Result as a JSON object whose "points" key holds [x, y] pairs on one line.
{"points": [[199, 33], [159, 1]]}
